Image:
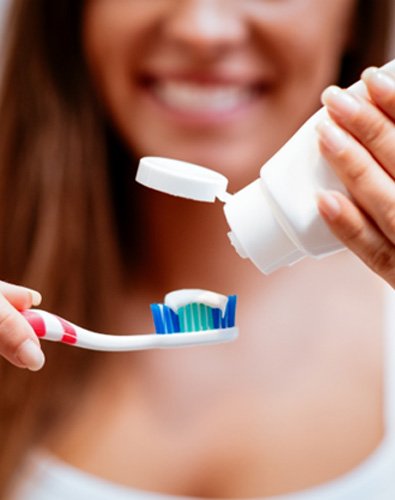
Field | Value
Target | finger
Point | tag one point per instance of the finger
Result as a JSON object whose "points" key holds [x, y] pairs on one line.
{"points": [[19, 296], [353, 228], [381, 88], [369, 185], [18, 342], [367, 123]]}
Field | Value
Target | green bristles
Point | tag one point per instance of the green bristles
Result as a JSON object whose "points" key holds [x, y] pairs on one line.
{"points": [[195, 317]]}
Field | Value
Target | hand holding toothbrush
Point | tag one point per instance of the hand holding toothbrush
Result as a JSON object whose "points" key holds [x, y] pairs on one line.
{"points": [[18, 342], [359, 143], [189, 317]]}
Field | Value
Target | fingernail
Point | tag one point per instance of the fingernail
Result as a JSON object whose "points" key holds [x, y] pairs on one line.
{"points": [[333, 137], [379, 80], [30, 355], [36, 297], [340, 101], [328, 205]]}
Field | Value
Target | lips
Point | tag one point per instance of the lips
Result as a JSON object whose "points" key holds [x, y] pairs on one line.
{"points": [[198, 97]]}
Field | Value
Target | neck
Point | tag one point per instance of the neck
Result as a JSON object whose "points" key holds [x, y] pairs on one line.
{"points": [[191, 247]]}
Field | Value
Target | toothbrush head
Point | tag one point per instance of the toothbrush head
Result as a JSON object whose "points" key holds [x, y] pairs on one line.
{"points": [[194, 310], [194, 317]]}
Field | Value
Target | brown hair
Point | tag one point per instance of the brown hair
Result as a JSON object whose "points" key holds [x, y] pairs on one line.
{"points": [[55, 206], [61, 206]]}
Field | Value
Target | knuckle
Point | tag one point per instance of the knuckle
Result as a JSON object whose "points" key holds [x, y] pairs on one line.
{"points": [[7, 321], [10, 334], [7, 325], [25, 299], [387, 101], [390, 222], [356, 172], [371, 129], [353, 233], [344, 156], [382, 259], [375, 132]]}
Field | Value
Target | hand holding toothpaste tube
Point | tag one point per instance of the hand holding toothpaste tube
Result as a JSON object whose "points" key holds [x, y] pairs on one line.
{"points": [[359, 143]]}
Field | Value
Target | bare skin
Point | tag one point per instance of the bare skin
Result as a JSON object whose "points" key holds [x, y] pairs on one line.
{"points": [[282, 408], [279, 410], [359, 146]]}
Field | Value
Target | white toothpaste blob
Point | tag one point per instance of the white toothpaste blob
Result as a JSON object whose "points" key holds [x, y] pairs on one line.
{"points": [[181, 298]]}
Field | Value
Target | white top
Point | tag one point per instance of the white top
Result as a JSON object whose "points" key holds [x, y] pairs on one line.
{"points": [[46, 478]]}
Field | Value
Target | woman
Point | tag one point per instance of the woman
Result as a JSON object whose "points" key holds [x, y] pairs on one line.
{"points": [[91, 86]]}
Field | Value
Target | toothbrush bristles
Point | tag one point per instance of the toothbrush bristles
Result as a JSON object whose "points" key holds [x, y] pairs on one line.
{"points": [[193, 317]]}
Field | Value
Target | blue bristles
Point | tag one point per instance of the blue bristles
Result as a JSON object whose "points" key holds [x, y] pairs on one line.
{"points": [[229, 319], [193, 317], [217, 316], [158, 318], [165, 319]]}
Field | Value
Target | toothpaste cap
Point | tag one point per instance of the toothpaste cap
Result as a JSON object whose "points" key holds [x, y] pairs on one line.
{"points": [[180, 178]]}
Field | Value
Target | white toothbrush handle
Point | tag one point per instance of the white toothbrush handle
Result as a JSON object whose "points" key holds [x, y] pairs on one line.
{"points": [[48, 326]]}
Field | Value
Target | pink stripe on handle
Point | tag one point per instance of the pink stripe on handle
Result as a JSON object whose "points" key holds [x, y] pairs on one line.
{"points": [[70, 335], [36, 322]]}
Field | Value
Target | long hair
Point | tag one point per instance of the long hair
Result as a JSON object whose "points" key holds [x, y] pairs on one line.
{"points": [[57, 226], [63, 190]]}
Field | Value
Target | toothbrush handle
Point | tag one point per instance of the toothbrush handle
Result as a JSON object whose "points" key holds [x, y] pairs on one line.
{"points": [[51, 327]]}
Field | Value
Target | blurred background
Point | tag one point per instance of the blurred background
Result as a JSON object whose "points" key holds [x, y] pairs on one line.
{"points": [[391, 53], [4, 3]]}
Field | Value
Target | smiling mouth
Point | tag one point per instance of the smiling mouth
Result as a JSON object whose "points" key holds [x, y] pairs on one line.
{"points": [[201, 98]]}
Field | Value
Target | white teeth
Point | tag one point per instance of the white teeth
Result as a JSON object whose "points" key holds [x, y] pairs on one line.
{"points": [[201, 98]]}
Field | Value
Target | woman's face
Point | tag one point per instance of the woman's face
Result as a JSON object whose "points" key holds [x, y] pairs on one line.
{"points": [[222, 83]]}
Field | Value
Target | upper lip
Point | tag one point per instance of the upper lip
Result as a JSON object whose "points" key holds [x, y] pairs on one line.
{"points": [[205, 78]]}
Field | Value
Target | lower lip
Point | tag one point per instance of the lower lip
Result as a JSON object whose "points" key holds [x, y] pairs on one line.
{"points": [[202, 118]]}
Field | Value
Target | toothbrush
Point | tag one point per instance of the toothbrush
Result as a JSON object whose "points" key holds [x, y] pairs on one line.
{"points": [[188, 317]]}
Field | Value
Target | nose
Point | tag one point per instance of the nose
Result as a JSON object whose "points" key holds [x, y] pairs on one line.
{"points": [[208, 27]]}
